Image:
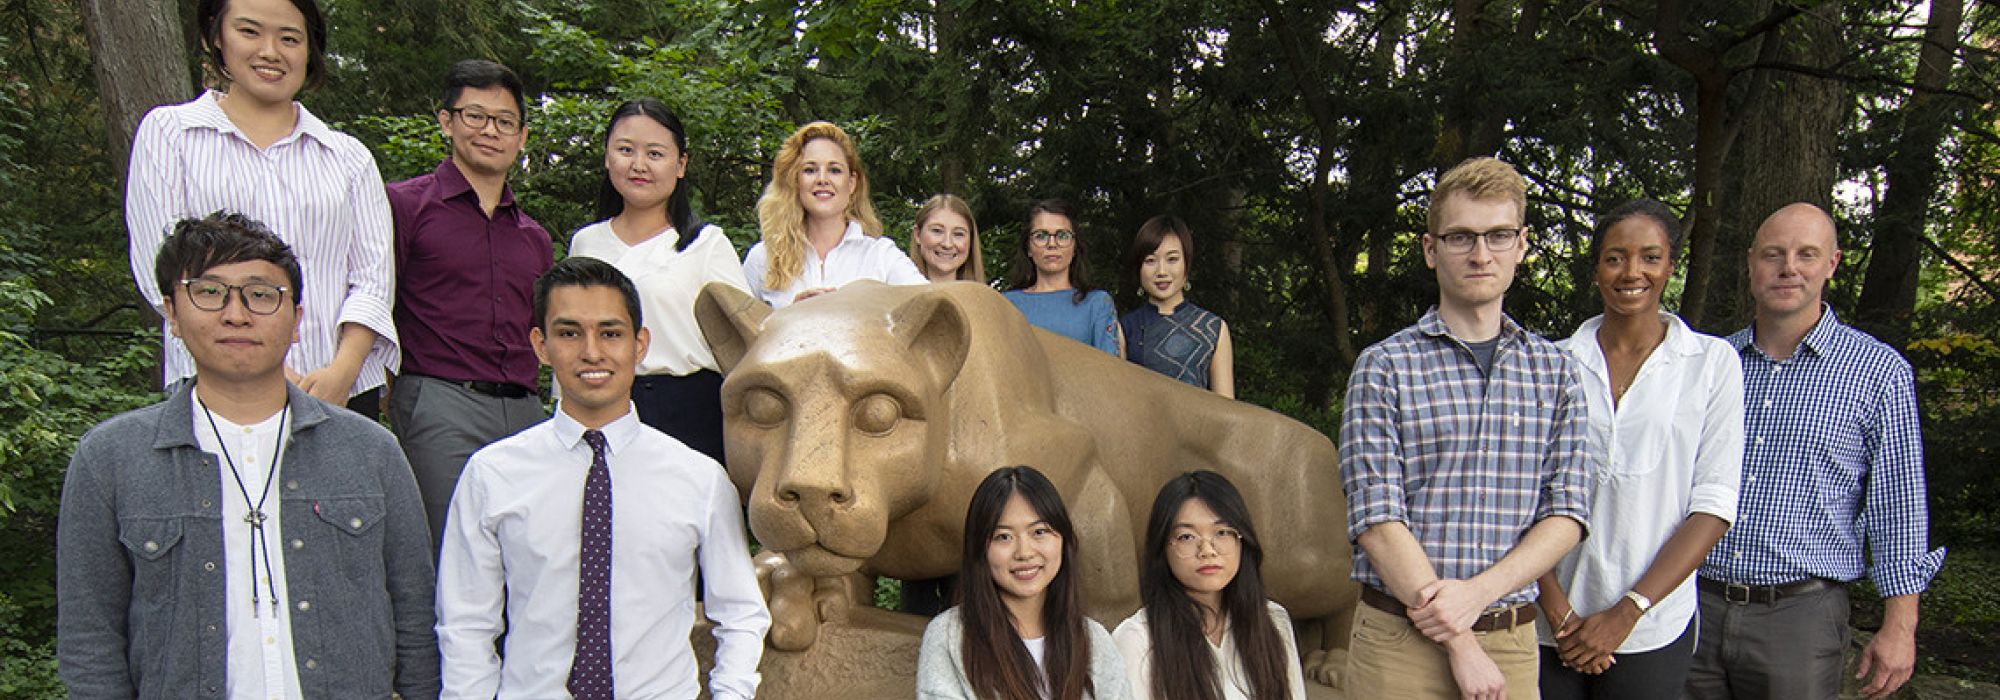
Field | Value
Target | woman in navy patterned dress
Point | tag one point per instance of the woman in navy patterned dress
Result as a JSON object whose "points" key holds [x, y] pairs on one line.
{"points": [[1170, 335]]}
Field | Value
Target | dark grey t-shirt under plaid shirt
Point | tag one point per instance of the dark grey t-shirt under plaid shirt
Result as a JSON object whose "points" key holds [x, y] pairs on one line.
{"points": [[1467, 460]]}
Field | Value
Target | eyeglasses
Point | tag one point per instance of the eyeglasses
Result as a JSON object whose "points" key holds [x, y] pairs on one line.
{"points": [[209, 295], [506, 124], [1187, 545], [1497, 240], [1052, 239]]}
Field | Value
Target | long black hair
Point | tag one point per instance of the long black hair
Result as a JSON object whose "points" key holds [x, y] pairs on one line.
{"points": [[1183, 665], [1023, 274], [996, 661], [680, 212]]}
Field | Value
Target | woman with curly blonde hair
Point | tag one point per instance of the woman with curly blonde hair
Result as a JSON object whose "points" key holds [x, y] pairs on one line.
{"points": [[819, 230]]}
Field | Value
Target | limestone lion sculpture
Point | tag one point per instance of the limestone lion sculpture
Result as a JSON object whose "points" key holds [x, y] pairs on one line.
{"points": [[858, 423]]}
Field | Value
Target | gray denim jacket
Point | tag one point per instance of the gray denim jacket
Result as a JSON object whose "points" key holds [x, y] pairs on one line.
{"points": [[139, 566]]}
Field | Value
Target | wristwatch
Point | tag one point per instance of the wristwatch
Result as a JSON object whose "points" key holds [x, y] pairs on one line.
{"points": [[1640, 601]]}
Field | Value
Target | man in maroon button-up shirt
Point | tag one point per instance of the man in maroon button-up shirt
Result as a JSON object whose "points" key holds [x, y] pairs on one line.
{"points": [[466, 262]]}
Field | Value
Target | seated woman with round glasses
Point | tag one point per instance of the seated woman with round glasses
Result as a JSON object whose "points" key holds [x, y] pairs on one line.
{"points": [[1206, 631], [1051, 283]]}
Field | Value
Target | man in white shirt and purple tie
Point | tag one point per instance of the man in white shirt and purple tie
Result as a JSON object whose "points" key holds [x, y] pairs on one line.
{"points": [[585, 532]]}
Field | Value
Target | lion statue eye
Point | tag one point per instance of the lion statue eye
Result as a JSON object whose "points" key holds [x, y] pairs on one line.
{"points": [[764, 407], [876, 414]]}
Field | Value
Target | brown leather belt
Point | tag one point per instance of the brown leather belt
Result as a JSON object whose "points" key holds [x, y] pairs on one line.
{"points": [[1742, 594], [1503, 619]]}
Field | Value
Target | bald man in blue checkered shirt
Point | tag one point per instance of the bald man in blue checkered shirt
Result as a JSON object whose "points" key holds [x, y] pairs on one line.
{"points": [[1832, 468]]}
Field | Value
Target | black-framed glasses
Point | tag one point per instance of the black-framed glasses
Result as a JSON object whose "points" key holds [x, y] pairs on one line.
{"points": [[474, 119], [1052, 239], [1497, 240], [209, 295], [1187, 545]]}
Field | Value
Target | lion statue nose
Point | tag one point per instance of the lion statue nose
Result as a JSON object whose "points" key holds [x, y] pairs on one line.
{"points": [[795, 494]]}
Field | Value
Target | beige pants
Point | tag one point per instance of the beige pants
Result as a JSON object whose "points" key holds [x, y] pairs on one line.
{"points": [[1390, 660]]}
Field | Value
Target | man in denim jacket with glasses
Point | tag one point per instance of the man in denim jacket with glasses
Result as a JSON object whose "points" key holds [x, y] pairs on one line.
{"points": [[241, 539]]}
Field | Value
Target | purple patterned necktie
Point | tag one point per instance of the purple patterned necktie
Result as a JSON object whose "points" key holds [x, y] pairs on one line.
{"points": [[590, 671]]}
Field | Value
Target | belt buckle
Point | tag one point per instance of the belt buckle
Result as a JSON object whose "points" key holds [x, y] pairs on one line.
{"points": [[1729, 593]]}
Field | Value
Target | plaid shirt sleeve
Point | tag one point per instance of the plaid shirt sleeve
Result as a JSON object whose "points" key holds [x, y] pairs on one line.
{"points": [[1569, 461], [1371, 460], [1894, 516]]}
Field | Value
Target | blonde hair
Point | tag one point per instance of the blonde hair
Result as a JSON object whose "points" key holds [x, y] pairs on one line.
{"points": [[783, 221], [1479, 178], [975, 267]]}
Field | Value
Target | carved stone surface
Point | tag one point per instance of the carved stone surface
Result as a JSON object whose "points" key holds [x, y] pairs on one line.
{"points": [[859, 422]]}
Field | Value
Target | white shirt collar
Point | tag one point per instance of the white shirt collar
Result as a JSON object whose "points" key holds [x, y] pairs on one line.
{"points": [[618, 433]]}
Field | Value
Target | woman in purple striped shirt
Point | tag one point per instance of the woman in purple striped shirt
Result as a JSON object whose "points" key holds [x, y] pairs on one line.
{"points": [[246, 146]]}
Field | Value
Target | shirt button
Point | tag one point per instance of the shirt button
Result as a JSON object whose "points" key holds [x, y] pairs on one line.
{"points": [[305, 605], [292, 485], [1751, 479], [208, 566], [205, 503], [211, 629], [1760, 439], [312, 664], [152, 546], [298, 544], [1767, 403], [355, 523], [1736, 555]]}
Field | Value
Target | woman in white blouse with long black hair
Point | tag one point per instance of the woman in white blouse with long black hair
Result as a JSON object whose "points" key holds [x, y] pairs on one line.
{"points": [[651, 233], [1666, 419]]}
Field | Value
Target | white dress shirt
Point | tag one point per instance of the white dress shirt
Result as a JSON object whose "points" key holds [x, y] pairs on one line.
{"points": [[259, 641], [514, 530], [317, 189], [856, 257], [1134, 637], [668, 282], [1673, 447]]}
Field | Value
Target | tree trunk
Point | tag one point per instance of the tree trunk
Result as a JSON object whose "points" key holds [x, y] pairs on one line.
{"points": [[1715, 132], [1788, 152], [1469, 128], [139, 58], [1889, 292]]}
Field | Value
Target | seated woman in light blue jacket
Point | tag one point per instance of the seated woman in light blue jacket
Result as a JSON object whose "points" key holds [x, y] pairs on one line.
{"points": [[1019, 631]]}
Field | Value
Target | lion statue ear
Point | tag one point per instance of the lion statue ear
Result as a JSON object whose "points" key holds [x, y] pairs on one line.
{"points": [[730, 321], [934, 328]]}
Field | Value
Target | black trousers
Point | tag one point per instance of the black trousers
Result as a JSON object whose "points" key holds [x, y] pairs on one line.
{"points": [[688, 408], [1659, 674]]}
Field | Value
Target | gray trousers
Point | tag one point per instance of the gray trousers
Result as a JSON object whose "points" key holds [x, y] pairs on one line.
{"points": [[441, 424], [1792, 649]]}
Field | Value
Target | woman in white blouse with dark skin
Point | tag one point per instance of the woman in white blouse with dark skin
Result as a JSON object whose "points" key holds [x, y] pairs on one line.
{"points": [[654, 237], [819, 229], [1666, 418], [1206, 631]]}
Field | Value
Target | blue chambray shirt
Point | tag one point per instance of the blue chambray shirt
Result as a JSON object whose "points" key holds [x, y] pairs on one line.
{"points": [[1467, 461], [1832, 461]]}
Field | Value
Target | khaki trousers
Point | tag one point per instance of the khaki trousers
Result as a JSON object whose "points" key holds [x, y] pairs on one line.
{"points": [[1389, 659]]}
